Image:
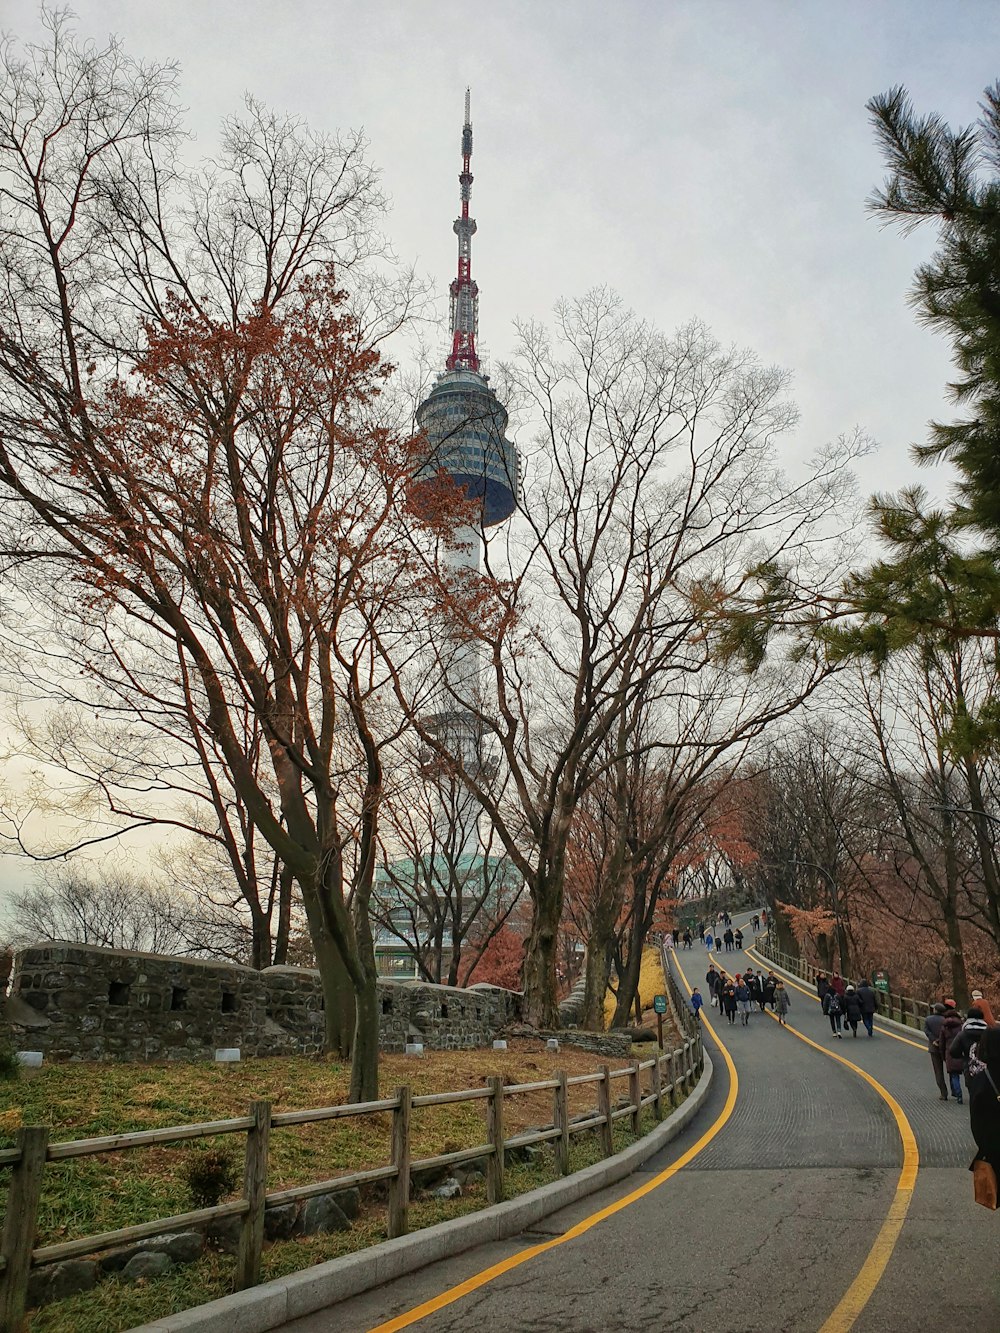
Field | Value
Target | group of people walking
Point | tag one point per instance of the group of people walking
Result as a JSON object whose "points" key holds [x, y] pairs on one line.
{"points": [[740, 993], [847, 1005], [952, 1042]]}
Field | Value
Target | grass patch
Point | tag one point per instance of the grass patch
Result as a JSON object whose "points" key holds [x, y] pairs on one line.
{"points": [[117, 1189]]}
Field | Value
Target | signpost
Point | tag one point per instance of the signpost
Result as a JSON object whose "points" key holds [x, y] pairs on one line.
{"points": [[882, 981], [659, 1008]]}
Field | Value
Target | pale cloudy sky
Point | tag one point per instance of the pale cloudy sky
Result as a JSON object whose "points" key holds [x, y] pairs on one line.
{"points": [[703, 157]]}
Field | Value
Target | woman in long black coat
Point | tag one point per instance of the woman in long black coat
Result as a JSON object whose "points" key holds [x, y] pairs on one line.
{"points": [[984, 1098], [852, 1008]]}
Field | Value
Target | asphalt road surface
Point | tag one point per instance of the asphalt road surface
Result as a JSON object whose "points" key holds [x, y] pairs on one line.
{"points": [[806, 1210]]}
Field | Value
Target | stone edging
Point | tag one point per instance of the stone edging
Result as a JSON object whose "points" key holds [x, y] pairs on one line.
{"points": [[272, 1304]]}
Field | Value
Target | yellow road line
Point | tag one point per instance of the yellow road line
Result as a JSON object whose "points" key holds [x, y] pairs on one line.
{"points": [[532, 1252], [860, 1291], [804, 990]]}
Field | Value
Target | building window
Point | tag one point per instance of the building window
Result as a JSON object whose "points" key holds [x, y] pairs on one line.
{"points": [[178, 997], [118, 992], [229, 1005], [386, 1007]]}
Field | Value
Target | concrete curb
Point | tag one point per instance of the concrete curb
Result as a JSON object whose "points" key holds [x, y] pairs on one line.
{"points": [[273, 1303]]}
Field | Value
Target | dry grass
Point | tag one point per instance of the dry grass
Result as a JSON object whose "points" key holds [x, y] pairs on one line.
{"points": [[114, 1190]]}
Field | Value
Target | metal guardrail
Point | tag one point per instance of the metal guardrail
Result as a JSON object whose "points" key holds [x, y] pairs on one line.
{"points": [[901, 1008]]}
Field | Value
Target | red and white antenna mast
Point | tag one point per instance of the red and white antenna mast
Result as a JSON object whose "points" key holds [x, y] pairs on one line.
{"points": [[464, 292]]}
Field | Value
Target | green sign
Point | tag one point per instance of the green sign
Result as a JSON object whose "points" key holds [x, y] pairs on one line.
{"points": [[659, 1004], [882, 981]]}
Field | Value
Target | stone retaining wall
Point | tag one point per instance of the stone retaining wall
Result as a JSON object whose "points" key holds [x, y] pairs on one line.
{"points": [[79, 1002]]}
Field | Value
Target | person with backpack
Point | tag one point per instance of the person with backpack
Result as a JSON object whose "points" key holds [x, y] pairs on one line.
{"points": [[852, 1009], [782, 1002], [953, 1064], [833, 1011], [972, 1029]]}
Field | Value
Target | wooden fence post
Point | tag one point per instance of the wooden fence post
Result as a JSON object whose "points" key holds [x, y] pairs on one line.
{"points": [[635, 1097], [254, 1191], [604, 1109], [689, 1056], [20, 1224], [399, 1184], [560, 1118], [673, 1078], [658, 1086], [494, 1129]]}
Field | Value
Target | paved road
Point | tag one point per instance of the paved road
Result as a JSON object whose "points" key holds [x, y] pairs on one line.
{"points": [[768, 1226]]}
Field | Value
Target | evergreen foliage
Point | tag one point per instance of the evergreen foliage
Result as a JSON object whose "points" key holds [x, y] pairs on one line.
{"points": [[939, 582]]}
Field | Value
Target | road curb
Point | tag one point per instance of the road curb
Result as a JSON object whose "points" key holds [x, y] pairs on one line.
{"points": [[271, 1304]]}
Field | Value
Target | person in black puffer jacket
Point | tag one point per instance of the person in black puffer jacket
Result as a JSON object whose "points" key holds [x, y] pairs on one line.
{"points": [[852, 1009]]}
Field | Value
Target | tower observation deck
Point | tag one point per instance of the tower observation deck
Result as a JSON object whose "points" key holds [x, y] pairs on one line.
{"points": [[462, 418]]}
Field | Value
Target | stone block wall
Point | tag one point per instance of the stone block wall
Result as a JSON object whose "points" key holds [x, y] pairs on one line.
{"points": [[79, 1002]]}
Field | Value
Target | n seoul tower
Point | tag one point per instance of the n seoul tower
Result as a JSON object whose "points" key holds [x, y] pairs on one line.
{"points": [[464, 424]]}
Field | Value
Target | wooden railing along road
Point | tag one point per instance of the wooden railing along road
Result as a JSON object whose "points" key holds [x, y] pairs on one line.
{"points": [[902, 1008], [670, 1074]]}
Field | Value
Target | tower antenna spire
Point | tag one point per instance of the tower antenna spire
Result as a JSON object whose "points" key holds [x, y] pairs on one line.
{"points": [[464, 292]]}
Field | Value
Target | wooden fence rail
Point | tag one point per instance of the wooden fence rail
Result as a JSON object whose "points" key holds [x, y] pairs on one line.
{"points": [[903, 1008], [671, 1073]]}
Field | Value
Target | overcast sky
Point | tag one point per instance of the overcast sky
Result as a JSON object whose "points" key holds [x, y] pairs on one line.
{"points": [[705, 158]]}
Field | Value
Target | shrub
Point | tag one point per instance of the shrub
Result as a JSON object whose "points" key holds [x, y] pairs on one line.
{"points": [[9, 1065], [211, 1174]]}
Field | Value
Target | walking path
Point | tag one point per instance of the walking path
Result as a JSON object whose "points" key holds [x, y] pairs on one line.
{"points": [[809, 1198]]}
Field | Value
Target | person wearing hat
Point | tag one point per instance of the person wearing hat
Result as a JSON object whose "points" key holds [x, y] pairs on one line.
{"points": [[983, 1005], [972, 1029], [932, 1031]]}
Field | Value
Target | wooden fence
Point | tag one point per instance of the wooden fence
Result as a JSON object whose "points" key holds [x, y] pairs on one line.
{"points": [[902, 1008], [670, 1074]]}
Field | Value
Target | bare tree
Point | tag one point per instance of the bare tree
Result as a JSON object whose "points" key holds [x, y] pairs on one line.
{"points": [[652, 508], [193, 435], [111, 909]]}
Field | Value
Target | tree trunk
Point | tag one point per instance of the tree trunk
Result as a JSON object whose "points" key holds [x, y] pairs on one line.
{"points": [[335, 977], [364, 1057], [628, 979], [959, 976], [540, 1007], [597, 970], [286, 882]]}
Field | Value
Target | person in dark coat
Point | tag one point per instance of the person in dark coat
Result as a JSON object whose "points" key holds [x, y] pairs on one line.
{"points": [[833, 1011], [984, 1098], [822, 985], [728, 1000], [950, 1029], [852, 1009], [869, 1006], [738, 939], [728, 940], [932, 1031], [972, 1029], [711, 980], [769, 985]]}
